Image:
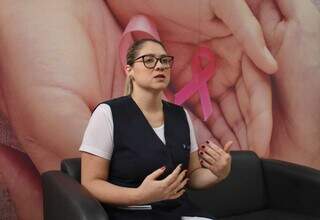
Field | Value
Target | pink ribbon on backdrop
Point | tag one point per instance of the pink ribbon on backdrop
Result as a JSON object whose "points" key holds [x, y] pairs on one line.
{"points": [[200, 76], [141, 24]]}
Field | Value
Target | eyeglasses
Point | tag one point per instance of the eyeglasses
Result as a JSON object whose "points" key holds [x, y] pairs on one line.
{"points": [[150, 60]]}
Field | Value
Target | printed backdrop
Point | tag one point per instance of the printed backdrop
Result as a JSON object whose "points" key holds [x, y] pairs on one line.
{"points": [[59, 59]]}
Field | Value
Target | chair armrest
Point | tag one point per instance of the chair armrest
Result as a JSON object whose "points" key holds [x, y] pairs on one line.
{"points": [[242, 191], [65, 198], [292, 187]]}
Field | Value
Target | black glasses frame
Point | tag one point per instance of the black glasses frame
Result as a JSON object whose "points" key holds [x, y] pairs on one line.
{"points": [[155, 64]]}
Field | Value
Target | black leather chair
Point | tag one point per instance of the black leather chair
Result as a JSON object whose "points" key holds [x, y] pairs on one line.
{"points": [[260, 189]]}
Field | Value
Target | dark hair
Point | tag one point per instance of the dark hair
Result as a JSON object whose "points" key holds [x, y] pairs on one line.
{"points": [[136, 46]]}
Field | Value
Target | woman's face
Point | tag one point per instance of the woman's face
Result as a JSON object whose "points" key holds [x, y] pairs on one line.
{"points": [[150, 73]]}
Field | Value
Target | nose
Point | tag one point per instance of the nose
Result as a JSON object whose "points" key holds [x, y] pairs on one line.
{"points": [[159, 66]]}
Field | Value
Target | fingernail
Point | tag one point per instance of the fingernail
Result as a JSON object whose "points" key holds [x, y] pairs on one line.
{"points": [[201, 161], [207, 142], [269, 57], [201, 152], [203, 146], [163, 167]]}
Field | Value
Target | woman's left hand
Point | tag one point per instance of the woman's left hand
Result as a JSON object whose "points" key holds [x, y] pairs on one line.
{"points": [[217, 160]]}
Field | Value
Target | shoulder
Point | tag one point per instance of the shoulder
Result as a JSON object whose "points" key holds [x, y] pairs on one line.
{"points": [[102, 112], [176, 110], [118, 100], [172, 106], [112, 102]]}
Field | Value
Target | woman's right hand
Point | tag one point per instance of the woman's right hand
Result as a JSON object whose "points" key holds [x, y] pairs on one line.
{"points": [[171, 187]]}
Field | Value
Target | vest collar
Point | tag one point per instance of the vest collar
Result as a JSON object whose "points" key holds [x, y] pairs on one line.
{"points": [[146, 122]]}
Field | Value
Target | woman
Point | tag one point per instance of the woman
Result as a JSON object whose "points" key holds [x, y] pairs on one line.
{"points": [[139, 152]]}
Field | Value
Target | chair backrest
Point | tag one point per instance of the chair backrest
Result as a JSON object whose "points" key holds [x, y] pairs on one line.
{"points": [[72, 167], [242, 191]]}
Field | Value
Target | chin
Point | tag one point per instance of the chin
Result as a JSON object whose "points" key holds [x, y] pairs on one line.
{"points": [[159, 89]]}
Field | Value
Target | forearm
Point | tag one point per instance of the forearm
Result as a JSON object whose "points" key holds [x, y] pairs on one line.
{"points": [[112, 194], [202, 178]]}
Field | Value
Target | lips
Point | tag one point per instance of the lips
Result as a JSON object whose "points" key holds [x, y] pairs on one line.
{"points": [[161, 76]]}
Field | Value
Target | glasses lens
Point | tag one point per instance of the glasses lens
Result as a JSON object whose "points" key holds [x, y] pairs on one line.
{"points": [[166, 61], [149, 61]]}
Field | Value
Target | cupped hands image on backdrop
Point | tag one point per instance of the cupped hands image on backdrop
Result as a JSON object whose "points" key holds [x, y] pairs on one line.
{"points": [[59, 59]]}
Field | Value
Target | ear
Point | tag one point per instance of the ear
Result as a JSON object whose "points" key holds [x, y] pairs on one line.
{"points": [[127, 69]]}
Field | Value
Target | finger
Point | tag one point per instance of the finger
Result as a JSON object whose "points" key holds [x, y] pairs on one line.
{"points": [[218, 149], [270, 20], [205, 164], [215, 148], [213, 28], [216, 122], [210, 151], [226, 76], [231, 111], [181, 185], [222, 155], [228, 146], [177, 195], [210, 159], [259, 127], [245, 27], [296, 8], [254, 6], [157, 173], [244, 103], [173, 176], [178, 181]]}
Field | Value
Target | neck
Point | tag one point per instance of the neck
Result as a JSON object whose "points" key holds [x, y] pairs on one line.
{"points": [[147, 101]]}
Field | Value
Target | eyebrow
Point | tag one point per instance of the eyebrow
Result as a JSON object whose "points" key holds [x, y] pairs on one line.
{"points": [[152, 54]]}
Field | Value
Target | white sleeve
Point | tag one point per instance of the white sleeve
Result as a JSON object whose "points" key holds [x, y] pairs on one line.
{"points": [[98, 136], [193, 139]]}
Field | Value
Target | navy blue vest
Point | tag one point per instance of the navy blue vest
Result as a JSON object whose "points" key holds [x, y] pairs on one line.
{"points": [[138, 151]]}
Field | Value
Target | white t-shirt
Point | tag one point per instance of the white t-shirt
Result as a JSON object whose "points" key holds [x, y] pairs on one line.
{"points": [[98, 136]]}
